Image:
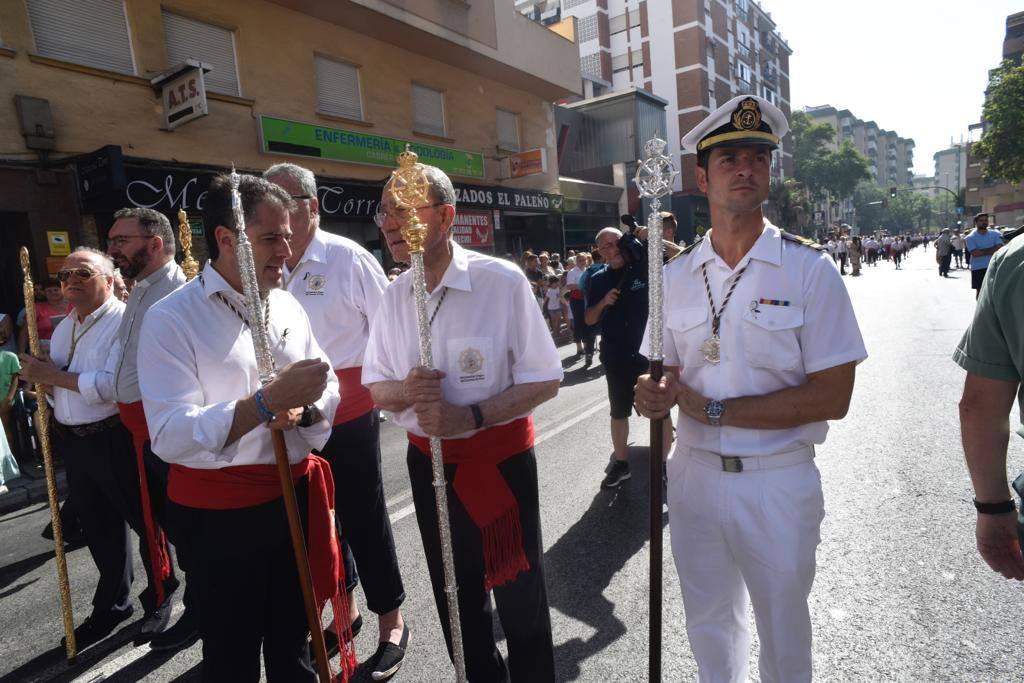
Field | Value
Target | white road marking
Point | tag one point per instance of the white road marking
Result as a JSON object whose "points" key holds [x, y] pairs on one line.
{"points": [[404, 495]]}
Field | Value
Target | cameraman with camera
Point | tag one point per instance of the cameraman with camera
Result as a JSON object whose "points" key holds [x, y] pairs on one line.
{"points": [[618, 301]]}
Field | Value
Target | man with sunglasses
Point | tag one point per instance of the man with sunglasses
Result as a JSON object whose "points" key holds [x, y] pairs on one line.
{"points": [[141, 243], [340, 284], [102, 470], [496, 362]]}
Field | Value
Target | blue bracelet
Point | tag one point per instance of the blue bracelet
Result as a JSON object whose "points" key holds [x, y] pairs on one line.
{"points": [[266, 415]]}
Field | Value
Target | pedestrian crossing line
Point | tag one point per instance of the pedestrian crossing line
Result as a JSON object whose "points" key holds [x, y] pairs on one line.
{"points": [[108, 669], [395, 500], [401, 514]]}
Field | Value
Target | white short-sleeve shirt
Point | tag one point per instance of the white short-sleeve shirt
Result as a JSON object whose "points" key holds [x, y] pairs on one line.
{"points": [[340, 285], [487, 335], [789, 316]]}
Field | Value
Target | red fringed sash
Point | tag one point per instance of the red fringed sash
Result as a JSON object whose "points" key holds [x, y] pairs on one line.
{"points": [[482, 490], [133, 417], [355, 398], [230, 488]]}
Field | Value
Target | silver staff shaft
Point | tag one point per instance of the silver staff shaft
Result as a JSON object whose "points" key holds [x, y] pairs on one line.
{"points": [[451, 587], [655, 282], [266, 369]]}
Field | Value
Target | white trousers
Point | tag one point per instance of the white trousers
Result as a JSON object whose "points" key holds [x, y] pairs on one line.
{"points": [[739, 538]]}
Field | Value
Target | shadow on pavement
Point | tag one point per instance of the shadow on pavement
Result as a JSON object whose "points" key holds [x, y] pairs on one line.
{"points": [[50, 666], [581, 375], [14, 571], [583, 562]]}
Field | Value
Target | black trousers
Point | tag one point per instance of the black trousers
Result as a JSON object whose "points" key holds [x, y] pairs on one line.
{"points": [[522, 604], [248, 591], [103, 477], [944, 264], [156, 473], [368, 546], [581, 331]]}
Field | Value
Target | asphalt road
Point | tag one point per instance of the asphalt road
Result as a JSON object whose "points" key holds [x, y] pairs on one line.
{"points": [[900, 594]]}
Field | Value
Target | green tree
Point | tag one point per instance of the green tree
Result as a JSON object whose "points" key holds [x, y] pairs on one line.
{"points": [[867, 199], [909, 212], [843, 169], [810, 142], [1002, 145], [787, 205]]}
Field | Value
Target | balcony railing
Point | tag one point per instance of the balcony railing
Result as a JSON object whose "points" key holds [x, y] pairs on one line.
{"points": [[743, 49]]}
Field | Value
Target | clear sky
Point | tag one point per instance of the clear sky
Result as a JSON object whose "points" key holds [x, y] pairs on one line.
{"points": [[914, 67]]}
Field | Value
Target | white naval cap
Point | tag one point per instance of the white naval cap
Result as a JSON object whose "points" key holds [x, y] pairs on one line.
{"points": [[743, 120]]}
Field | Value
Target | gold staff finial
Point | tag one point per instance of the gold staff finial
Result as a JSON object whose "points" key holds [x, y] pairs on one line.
{"points": [[410, 189], [188, 264]]}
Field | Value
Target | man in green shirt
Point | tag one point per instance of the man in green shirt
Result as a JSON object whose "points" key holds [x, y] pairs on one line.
{"points": [[992, 352]]}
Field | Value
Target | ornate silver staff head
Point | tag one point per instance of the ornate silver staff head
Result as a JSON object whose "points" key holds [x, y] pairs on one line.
{"points": [[250, 285]]}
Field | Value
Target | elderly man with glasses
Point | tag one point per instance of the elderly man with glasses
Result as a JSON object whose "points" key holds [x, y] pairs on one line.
{"points": [[102, 472], [340, 285]]}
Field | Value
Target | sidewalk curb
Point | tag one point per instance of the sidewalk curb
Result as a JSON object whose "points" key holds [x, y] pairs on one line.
{"points": [[26, 491]]}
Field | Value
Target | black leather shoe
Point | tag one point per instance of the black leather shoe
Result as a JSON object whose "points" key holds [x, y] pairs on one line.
{"points": [[183, 634], [96, 627], [153, 623], [387, 660], [331, 638]]}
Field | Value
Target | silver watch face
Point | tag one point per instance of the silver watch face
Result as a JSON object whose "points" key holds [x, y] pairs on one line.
{"points": [[714, 409]]}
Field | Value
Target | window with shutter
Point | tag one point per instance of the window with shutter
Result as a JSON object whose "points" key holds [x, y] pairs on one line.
{"points": [[427, 110], [508, 130], [337, 88], [191, 39], [88, 32]]}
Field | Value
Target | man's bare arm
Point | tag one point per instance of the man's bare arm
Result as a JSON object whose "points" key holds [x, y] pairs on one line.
{"points": [[389, 395], [985, 430], [516, 400], [825, 396]]}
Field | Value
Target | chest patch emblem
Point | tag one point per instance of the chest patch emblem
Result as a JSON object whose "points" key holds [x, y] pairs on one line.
{"points": [[315, 284], [471, 361]]}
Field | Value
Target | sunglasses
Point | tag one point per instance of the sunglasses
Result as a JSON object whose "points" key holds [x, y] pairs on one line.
{"points": [[81, 273]]}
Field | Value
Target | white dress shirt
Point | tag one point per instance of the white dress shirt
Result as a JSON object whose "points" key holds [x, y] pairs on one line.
{"points": [[196, 361], [340, 285], [487, 335], [764, 347], [124, 355], [94, 400]]}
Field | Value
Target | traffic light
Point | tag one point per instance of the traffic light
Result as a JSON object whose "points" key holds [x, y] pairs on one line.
{"points": [[892, 192]]}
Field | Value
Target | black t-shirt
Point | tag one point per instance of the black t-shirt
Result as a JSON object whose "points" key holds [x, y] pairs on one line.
{"points": [[534, 275], [622, 326]]}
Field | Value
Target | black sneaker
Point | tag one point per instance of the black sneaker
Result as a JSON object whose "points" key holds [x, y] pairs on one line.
{"points": [[96, 627], [183, 634], [387, 660], [617, 473]]}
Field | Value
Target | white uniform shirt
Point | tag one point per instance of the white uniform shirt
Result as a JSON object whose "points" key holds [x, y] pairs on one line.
{"points": [[487, 336], [196, 361], [572, 277], [94, 400], [764, 347], [124, 355], [340, 285], [957, 241]]}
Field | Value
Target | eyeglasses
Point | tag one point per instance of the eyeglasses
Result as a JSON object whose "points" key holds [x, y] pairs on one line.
{"points": [[122, 240], [81, 273], [399, 215]]}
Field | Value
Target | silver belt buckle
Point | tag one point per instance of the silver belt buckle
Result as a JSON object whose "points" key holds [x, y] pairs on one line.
{"points": [[731, 464]]}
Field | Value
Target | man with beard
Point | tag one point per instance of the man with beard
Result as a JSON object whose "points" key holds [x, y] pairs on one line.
{"points": [[210, 416], [757, 365], [141, 242]]}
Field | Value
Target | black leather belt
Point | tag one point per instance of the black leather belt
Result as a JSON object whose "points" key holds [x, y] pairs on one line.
{"points": [[94, 427]]}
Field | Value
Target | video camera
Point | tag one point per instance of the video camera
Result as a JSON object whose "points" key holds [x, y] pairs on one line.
{"points": [[631, 248]]}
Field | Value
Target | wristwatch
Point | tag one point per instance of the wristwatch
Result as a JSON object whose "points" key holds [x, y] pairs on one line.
{"points": [[714, 410], [307, 416]]}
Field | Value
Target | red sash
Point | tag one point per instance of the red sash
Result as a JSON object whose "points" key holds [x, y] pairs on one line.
{"points": [[231, 488], [482, 490], [133, 417], [355, 398]]}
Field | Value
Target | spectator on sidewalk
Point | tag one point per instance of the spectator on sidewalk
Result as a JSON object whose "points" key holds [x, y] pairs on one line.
{"points": [[981, 244]]}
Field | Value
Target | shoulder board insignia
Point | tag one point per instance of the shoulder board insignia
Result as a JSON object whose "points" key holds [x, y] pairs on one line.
{"points": [[685, 251], [799, 239]]}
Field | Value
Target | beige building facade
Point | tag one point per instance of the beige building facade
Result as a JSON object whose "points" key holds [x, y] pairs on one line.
{"points": [[338, 87]]}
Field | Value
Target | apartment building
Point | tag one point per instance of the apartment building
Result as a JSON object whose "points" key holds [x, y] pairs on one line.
{"points": [[696, 54], [951, 167], [1004, 202], [341, 87], [890, 156]]}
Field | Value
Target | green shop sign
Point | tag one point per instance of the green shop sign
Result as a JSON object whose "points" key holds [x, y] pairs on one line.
{"points": [[281, 136]]}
